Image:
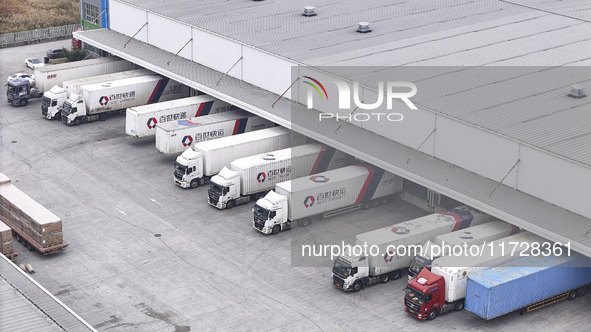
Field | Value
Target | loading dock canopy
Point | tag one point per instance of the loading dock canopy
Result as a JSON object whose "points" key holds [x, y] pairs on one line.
{"points": [[525, 211]]}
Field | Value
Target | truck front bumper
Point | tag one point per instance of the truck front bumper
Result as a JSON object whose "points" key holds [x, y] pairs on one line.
{"points": [[183, 184], [262, 229], [218, 205]]}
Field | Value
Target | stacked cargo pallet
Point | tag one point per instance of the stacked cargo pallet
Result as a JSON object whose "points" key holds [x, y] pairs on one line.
{"points": [[26, 216], [6, 247]]}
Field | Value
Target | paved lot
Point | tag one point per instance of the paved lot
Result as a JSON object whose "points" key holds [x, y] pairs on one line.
{"points": [[147, 255]]}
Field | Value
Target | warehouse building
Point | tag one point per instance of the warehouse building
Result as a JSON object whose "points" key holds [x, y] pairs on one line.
{"points": [[508, 132]]}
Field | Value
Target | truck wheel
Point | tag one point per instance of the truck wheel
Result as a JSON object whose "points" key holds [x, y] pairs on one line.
{"points": [[18, 237], [432, 314], [396, 274], [24, 102], [77, 121], [304, 222], [276, 229], [230, 204], [374, 203], [384, 200], [582, 291], [384, 278], [357, 286], [458, 306], [364, 205], [102, 117], [572, 295], [194, 184]]}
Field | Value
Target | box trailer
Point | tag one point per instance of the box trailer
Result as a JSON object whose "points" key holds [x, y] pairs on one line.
{"points": [[6, 247], [323, 194], [477, 235], [176, 136], [53, 100], [141, 121], [20, 91], [528, 284], [395, 245], [250, 178], [97, 101], [443, 289], [203, 160], [32, 224]]}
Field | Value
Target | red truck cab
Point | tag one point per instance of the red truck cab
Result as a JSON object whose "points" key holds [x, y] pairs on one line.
{"points": [[425, 296]]}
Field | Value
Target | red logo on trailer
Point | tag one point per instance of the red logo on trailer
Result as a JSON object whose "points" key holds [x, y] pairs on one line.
{"points": [[309, 201], [400, 230], [104, 100], [187, 140], [152, 123], [261, 177], [319, 178], [388, 256]]}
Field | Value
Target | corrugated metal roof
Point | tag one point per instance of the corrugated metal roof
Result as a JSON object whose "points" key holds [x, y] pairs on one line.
{"points": [[26, 306], [520, 209]]}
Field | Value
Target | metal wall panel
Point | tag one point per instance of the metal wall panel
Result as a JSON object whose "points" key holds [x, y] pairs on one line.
{"points": [[475, 150], [217, 53], [169, 35], [555, 180], [266, 71], [128, 20]]}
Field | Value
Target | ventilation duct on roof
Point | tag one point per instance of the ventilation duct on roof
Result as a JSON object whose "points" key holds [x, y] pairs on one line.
{"points": [[363, 27], [309, 11], [577, 91]]}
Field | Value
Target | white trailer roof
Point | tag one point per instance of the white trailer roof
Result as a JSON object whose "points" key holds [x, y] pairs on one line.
{"points": [[76, 64], [175, 103], [251, 136], [121, 82], [273, 156], [340, 174]]}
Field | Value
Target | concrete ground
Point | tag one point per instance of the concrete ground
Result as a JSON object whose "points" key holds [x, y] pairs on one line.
{"points": [[147, 255]]}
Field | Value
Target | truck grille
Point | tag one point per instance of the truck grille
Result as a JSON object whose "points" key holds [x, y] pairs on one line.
{"points": [[338, 281], [178, 176], [43, 110], [63, 117], [259, 222], [213, 198], [411, 305]]}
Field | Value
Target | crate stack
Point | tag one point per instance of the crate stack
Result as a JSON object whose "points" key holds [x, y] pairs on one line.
{"points": [[27, 216], [6, 247]]}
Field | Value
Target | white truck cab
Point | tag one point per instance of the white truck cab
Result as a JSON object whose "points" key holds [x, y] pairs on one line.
{"points": [[224, 190], [52, 102], [270, 214], [73, 110], [188, 169], [348, 270]]}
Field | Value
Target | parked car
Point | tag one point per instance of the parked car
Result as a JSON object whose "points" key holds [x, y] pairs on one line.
{"points": [[20, 75], [34, 62], [54, 53]]}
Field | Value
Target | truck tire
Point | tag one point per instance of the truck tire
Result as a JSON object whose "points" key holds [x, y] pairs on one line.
{"points": [[582, 291], [102, 117], [384, 200], [384, 278], [364, 205], [18, 237], [458, 306], [23, 102], [194, 184], [432, 314], [396, 274], [572, 295], [276, 230], [77, 121], [304, 222], [357, 286], [374, 203], [230, 204]]}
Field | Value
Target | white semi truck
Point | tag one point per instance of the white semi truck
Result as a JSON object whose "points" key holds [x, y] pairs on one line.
{"points": [[20, 91], [250, 178], [203, 160], [97, 101], [476, 235], [176, 136], [53, 100], [323, 194], [396, 245], [141, 121]]}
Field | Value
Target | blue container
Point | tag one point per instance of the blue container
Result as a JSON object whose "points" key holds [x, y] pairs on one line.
{"points": [[515, 285]]}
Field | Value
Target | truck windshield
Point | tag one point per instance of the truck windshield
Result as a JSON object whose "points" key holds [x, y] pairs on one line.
{"points": [[45, 101], [215, 188], [11, 88], [417, 264], [261, 213], [67, 108], [414, 295], [341, 268], [178, 168]]}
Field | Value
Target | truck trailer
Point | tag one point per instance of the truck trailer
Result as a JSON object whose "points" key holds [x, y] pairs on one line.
{"points": [[19, 91], [177, 136], [443, 289], [323, 194], [203, 160], [141, 121], [53, 100], [32, 224], [97, 101], [476, 235], [396, 245], [250, 178], [527, 284]]}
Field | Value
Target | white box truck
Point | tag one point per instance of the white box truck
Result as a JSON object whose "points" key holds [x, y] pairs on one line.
{"points": [[97, 101], [250, 178], [141, 121], [203, 160], [390, 249], [53, 100], [446, 282], [487, 232], [21, 90], [176, 136], [323, 194]]}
